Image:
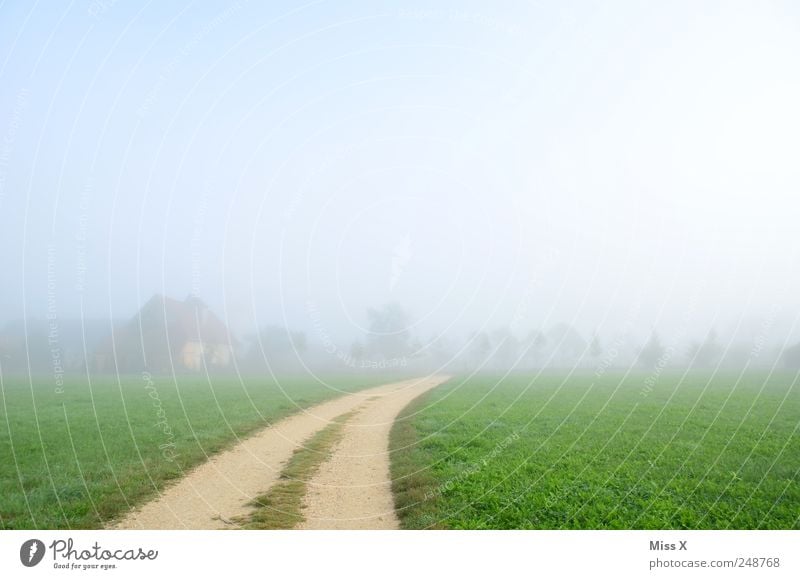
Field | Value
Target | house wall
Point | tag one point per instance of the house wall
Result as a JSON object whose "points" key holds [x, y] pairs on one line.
{"points": [[221, 355], [192, 356], [217, 355]]}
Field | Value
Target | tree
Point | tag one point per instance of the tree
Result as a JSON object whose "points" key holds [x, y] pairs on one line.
{"points": [[652, 352], [595, 349], [567, 343], [791, 357], [276, 345], [506, 350], [705, 353], [479, 348], [440, 350], [356, 351], [388, 334], [534, 345]]}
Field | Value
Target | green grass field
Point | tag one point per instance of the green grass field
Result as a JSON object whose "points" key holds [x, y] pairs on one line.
{"points": [[581, 452], [80, 458]]}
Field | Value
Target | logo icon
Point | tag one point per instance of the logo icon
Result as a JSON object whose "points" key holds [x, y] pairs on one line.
{"points": [[31, 552]]}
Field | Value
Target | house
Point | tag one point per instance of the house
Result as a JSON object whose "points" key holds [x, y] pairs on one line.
{"points": [[168, 335]]}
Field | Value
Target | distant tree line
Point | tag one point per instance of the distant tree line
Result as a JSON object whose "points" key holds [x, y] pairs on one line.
{"points": [[390, 341]]}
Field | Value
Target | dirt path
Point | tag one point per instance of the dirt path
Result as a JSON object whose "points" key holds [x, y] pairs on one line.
{"points": [[352, 489], [213, 494]]}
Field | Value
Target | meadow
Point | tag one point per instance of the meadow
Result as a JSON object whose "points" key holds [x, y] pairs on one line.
{"points": [[79, 455], [696, 451]]}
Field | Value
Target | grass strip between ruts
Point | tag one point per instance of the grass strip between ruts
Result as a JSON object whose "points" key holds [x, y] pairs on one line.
{"points": [[281, 506]]}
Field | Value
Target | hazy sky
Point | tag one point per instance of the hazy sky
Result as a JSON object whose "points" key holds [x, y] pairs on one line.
{"points": [[481, 163]]}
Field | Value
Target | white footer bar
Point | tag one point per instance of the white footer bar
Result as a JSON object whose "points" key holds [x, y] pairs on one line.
{"points": [[356, 554]]}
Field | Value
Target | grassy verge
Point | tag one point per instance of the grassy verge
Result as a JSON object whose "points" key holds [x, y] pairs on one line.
{"points": [[280, 507], [80, 456], [415, 489]]}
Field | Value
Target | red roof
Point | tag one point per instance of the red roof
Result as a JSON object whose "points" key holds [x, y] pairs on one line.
{"points": [[187, 321]]}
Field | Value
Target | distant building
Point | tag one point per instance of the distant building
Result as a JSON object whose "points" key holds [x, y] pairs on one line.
{"points": [[50, 346], [168, 335]]}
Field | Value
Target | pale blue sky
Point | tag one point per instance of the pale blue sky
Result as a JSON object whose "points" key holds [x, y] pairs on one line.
{"points": [[475, 161]]}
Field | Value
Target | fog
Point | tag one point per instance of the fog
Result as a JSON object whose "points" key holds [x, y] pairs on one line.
{"points": [[363, 183]]}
